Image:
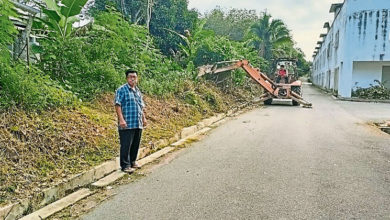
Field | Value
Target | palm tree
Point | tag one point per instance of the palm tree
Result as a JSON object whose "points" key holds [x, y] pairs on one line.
{"points": [[268, 33], [285, 50]]}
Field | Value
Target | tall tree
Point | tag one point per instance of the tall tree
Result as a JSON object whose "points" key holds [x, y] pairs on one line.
{"points": [[158, 16], [134, 10], [232, 24], [149, 14], [173, 15], [268, 33]]}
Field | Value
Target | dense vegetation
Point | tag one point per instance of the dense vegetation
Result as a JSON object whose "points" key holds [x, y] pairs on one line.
{"points": [[166, 42], [21, 85]]}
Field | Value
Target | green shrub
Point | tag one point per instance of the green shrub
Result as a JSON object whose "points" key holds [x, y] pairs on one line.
{"points": [[7, 32], [214, 100], [134, 48], [204, 48], [192, 98], [32, 90], [96, 61], [70, 63], [378, 91]]}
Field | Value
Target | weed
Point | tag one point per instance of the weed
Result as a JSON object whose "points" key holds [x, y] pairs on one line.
{"points": [[45, 166]]}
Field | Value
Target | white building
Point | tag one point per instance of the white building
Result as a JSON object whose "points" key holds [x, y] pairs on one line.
{"points": [[356, 49]]}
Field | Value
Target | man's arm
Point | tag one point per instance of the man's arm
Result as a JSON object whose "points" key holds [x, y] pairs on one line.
{"points": [[145, 123], [122, 122]]}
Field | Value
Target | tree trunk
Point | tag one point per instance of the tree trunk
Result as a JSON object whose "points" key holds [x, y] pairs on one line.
{"points": [[149, 14]]}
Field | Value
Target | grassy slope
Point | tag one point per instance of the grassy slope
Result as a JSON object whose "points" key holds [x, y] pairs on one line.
{"points": [[38, 150]]}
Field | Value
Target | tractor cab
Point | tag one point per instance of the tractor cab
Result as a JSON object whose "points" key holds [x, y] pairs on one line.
{"points": [[285, 70]]}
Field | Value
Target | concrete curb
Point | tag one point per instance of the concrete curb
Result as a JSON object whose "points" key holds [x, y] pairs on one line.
{"points": [[15, 210], [360, 100], [80, 180], [104, 174], [58, 205], [194, 136], [350, 99], [109, 179], [4, 211], [155, 155], [119, 174]]}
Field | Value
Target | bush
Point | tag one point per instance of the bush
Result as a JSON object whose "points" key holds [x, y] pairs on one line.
{"points": [[96, 61], [134, 48], [19, 88], [7, 32], [378, 91], [31, 91], [71, 64]]}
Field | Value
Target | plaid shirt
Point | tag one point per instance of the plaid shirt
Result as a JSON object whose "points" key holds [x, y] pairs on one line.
{"points": [[131, 104]]}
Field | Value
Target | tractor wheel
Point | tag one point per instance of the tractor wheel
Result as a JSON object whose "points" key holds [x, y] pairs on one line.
{"points": [[297, 90], [268, 102]]}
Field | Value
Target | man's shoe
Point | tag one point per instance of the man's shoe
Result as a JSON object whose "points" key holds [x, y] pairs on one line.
{"points": [[136, 166], [128, 170]]}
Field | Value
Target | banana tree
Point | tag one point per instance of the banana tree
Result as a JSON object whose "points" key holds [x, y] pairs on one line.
{"points": [[59, 17], [192, 40]]}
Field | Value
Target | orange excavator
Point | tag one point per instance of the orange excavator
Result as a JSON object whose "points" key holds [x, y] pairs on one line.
{"points": [[291, 91]]}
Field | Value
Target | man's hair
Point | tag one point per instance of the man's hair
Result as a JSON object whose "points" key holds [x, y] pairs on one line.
{"points": [[129, 71], [282, 66]]}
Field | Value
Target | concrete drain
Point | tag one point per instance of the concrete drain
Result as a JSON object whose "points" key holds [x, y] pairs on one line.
{"points": [[385, 127]]}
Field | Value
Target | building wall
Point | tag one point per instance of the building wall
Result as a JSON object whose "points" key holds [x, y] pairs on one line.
{"points": [[359, 33], [368, 30], [365, 73], [329, 58], [386, 76]]}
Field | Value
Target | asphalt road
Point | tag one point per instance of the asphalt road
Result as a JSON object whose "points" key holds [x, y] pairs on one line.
{"points": [[279, 162]]}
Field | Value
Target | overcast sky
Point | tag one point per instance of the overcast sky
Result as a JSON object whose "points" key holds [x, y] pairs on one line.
{"points": [[304, 17]]}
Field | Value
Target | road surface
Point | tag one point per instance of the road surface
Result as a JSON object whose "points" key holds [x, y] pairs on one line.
{"points": [[278, 162]]}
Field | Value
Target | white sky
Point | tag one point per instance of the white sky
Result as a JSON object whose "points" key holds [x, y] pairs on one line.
{"points": [[304, 17]]}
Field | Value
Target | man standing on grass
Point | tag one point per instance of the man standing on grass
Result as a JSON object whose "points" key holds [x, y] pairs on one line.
{"points": [[129, 107]]}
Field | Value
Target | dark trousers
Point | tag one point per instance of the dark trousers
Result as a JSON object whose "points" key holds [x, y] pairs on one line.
{"points": [[282, 77], [129, 140]]}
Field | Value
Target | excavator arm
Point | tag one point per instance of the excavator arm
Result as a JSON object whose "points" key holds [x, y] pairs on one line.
{"points": [[272, 90]]}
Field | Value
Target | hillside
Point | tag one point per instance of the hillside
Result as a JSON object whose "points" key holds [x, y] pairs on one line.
{"points": [[40, 150]]}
